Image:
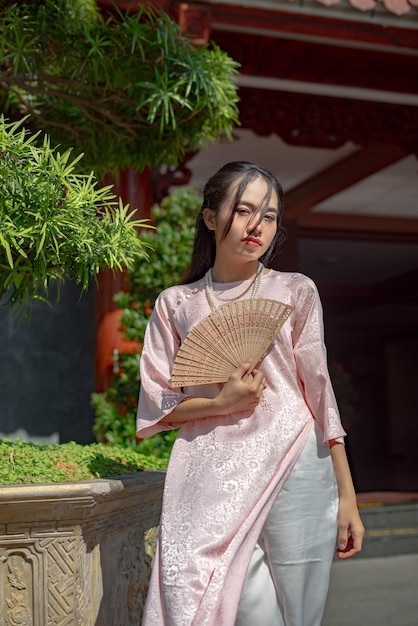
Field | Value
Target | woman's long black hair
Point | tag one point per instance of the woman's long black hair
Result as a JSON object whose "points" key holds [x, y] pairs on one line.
{"points": [[215, 193]]}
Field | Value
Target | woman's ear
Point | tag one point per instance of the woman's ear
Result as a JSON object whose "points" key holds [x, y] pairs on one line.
{"points": [[209, 218]]}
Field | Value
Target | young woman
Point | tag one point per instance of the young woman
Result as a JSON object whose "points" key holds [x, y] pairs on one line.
{"points": [[258, 480]]}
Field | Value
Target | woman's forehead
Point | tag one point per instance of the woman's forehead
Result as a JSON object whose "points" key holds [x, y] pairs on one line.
{"points": [[256, 192]]}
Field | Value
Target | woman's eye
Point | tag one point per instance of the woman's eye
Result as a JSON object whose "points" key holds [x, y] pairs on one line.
{"points": [[243, 211], [270, 218]]}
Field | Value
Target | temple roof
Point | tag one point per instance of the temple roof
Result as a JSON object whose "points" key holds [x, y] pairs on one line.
{"points": [[397, 7], [376, 11]]}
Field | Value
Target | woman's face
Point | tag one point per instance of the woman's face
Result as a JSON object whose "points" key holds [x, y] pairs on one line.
{"points": [[248, 237]]}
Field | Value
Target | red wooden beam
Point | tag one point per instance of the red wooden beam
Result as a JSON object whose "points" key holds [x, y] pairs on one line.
{"points": [[320, 63], [194, 21], [132, 5], [309, 24], [340, 176], [364, 227], [238, 16]]}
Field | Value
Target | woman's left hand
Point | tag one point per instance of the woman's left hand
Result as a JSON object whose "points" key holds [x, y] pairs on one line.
{"points": [[350, 529], [350, 526]]}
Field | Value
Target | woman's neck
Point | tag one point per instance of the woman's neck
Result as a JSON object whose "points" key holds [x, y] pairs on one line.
{"points": [[222, 273]]}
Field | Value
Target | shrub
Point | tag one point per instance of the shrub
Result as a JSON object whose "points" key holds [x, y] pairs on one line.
{"points": [[22, 462], [171, 242], [56, 224], [124, 89]]}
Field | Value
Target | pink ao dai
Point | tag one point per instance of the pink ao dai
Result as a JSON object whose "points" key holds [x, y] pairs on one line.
{"points": [[225, 472]]}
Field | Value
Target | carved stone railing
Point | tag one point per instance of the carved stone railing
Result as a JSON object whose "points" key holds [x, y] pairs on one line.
{"points": [[78, 553]]}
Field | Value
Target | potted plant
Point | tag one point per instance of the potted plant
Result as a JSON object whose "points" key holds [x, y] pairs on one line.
{"points": [[77, 532]]}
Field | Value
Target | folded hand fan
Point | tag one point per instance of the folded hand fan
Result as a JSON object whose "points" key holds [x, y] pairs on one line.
{"points": [[227, 337]]}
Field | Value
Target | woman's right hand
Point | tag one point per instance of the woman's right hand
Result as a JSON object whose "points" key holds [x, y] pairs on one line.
{"points": [[240, 392]]}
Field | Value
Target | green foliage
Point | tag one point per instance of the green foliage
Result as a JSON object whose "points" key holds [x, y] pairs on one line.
{"points": [[126, 90], [22, 462], [56, 224], [171, 242]]}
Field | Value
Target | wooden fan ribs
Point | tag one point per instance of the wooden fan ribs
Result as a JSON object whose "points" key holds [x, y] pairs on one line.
{"points": [[220, 342]]}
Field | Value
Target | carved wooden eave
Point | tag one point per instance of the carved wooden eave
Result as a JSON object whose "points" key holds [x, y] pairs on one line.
{"points": [[321, 81], [328, 122], [318, 73], [321, 73]]}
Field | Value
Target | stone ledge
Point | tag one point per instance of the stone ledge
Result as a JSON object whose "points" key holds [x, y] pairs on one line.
{"points": [[78, 553]]}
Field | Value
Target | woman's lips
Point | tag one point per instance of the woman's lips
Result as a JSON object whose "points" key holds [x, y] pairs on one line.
{"points": [[250, 241]]}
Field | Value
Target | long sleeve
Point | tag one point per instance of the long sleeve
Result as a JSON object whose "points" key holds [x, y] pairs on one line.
{"points": [[311, 359], [157, 398]]}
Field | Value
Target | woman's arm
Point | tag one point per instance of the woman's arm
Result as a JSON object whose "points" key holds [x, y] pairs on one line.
{"points": [[350, 526], [238, 394], [311, 357]]}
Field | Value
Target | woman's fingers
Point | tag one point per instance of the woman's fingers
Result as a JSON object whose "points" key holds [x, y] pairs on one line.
{"points": [[350, 541], [259, 380], [253, 378], [242, 370], [243, 392]]}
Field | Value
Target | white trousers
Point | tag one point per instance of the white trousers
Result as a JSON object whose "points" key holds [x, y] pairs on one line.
{"points": [[288, 576]]}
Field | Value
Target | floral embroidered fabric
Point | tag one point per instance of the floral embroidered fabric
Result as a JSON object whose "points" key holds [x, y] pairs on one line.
{"points": [[225, 472]]}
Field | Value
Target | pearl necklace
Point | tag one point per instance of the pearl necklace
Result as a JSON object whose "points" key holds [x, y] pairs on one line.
{"points": [[209, 286]]}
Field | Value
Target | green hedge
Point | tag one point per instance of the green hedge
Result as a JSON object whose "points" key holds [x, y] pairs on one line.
{"points": [[23, 463]]}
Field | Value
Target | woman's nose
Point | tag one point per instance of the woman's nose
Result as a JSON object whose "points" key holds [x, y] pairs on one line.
{"points": [[254, 226]]}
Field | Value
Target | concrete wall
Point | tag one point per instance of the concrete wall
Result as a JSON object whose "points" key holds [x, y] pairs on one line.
{"points": [[47, 370]]}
